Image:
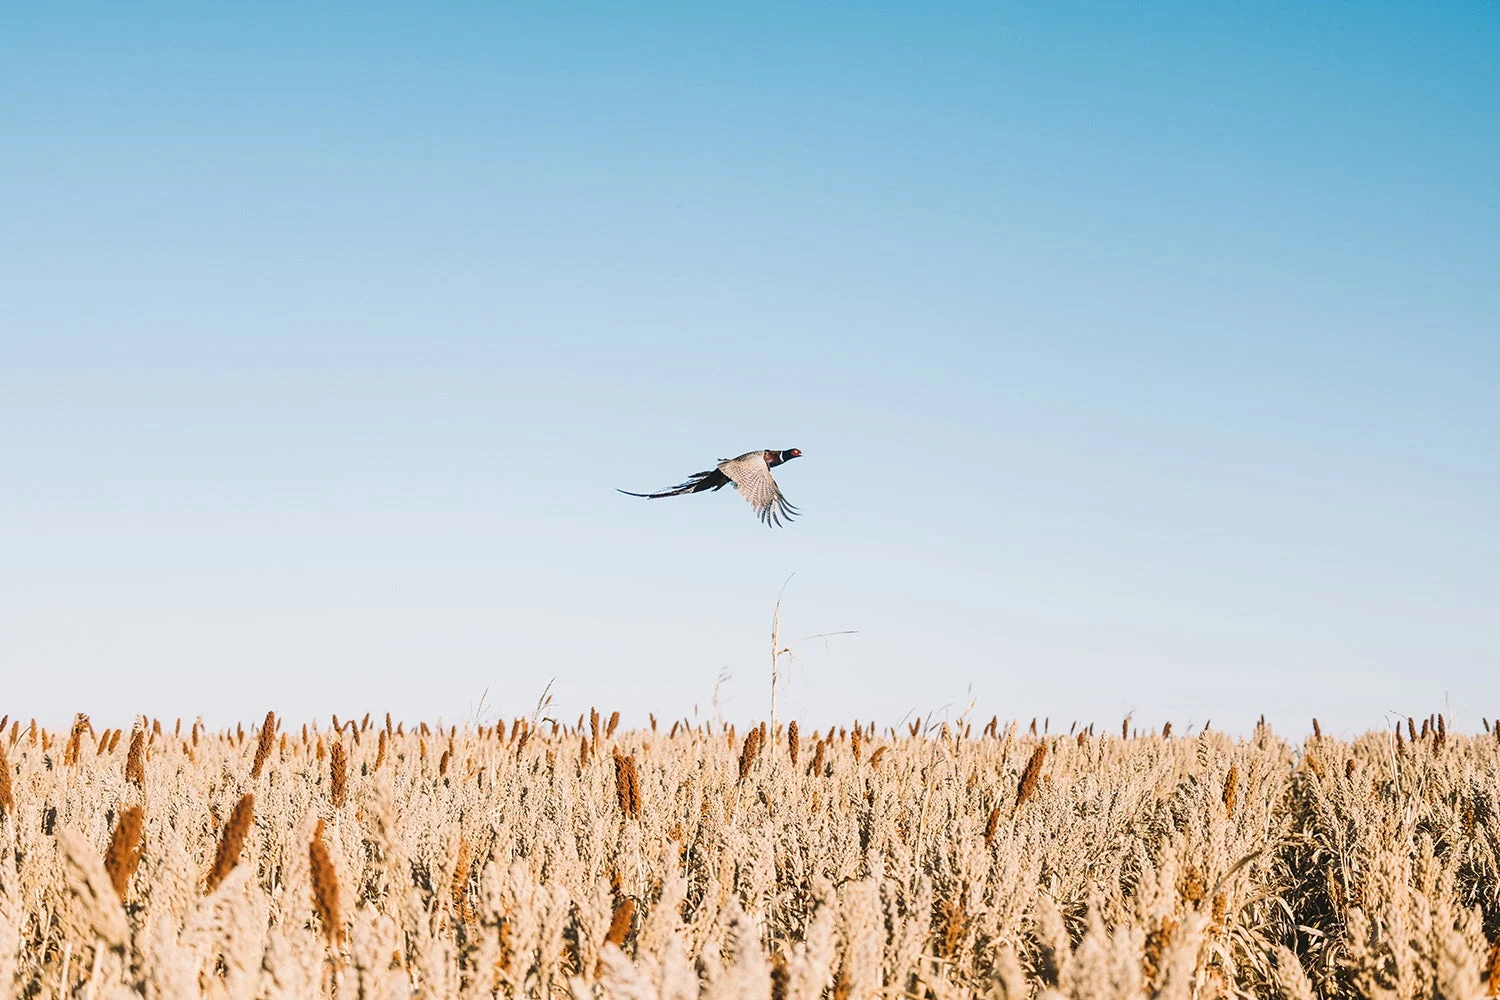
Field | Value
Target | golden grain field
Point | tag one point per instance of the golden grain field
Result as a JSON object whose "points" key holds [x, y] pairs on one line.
{"points": [[535, 859]]}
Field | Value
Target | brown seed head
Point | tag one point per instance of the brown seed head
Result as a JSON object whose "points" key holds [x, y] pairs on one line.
{"points": [[7, 800], [816, 767], [749, 751], [1231, 788], [1156, 946], [72, 750], [955, 925], [325, 887], [231, 842], [991, 826], [125, 847], [1030, 776], [627, 786], [793, 738], [263, 745], [619, 929], [135, 765], [338, 773]]}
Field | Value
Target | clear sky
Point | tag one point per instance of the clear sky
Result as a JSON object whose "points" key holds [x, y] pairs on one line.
{"points": [[1144, 360]]}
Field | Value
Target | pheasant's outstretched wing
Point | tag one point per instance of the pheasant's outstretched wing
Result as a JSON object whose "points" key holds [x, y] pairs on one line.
{"points": [[713, 479], [752, 477]]}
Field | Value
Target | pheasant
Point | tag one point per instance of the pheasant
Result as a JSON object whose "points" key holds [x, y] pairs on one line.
{"points": [[751, 475]]}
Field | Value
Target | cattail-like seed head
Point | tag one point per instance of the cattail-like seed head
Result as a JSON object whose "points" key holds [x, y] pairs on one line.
{"points": [[1030, 776], [1166, 730], [443, 761], [991, 825], [338, 773], [627, 786], [793, 738], [748, 752], [614, 722], [380, 749], [125, 847], [325, 887], [231, 842], [816, 767], [856, 740], [619, 928], [135, 764], [876, 757], [263, 745], [72, 749], [7, 800], [1231, 789]]}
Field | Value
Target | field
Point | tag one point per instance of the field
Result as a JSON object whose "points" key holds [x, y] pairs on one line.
{"points": [[529, 858]]}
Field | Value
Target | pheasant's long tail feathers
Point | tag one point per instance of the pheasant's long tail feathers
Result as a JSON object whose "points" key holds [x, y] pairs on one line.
{"points": [[713, 479], [780, 511]]}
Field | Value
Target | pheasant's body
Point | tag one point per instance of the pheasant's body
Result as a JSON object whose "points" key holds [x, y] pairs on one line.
{"points": [[751, 475]]}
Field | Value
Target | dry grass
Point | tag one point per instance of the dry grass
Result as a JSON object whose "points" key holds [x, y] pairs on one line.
{"points": [[594, 861]]}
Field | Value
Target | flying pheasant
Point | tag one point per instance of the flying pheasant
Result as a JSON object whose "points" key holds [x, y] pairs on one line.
{"points": [[751, 475]]}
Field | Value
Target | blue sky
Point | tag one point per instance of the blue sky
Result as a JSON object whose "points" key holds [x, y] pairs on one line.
{"points": [[1144, 361]]}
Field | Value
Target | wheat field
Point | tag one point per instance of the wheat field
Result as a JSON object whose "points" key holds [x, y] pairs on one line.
{"points": [[362, 859]]}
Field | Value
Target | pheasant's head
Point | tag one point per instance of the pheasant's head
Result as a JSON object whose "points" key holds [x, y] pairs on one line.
{"points": [[790, 454]]}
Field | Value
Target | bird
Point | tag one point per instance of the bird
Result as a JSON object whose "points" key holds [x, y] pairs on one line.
{"points": [[751, 475]]}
